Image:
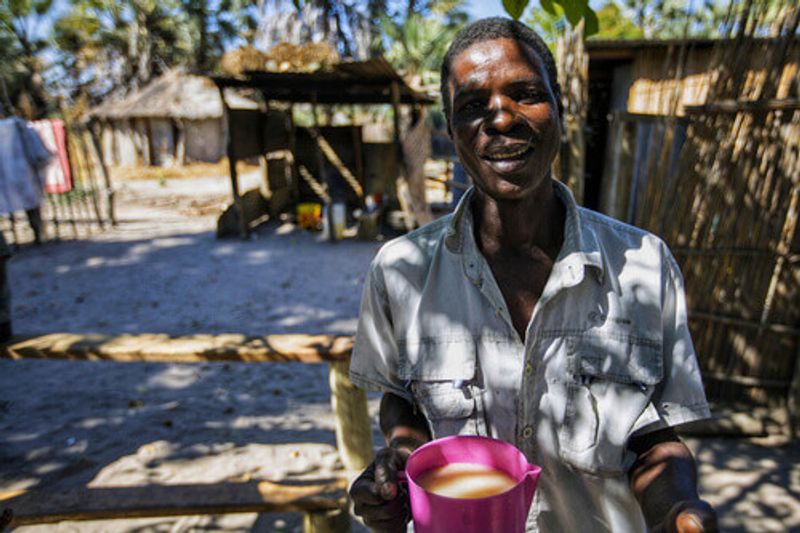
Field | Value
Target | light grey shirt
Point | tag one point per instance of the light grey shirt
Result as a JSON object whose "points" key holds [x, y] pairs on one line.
{"points": [[607, 354]]}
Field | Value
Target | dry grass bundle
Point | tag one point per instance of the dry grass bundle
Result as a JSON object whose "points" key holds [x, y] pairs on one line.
{"points": [[283, 57], [310, 57], [236, 62]]}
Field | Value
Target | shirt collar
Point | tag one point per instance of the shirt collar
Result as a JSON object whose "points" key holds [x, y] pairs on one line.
{"points": [[580, 247]]}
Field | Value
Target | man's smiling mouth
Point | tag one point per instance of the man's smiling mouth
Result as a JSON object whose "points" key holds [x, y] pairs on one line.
{"points": [[509, 153]]}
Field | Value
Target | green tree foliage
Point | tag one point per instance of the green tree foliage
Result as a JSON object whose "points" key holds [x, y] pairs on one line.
{"points": [[418, 39], [613, 24], [212, 26], [573, 11], [113, 46], [22, 66]]}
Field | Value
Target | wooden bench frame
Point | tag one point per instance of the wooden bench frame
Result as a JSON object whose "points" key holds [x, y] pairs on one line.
{"points": [[323, 501]]}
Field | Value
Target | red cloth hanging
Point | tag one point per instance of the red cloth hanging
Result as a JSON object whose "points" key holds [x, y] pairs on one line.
{"points": [[57, 175]]}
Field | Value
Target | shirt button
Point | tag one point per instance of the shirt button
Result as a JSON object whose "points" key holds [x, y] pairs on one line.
{"points": [[528, 369], [527, 432]]}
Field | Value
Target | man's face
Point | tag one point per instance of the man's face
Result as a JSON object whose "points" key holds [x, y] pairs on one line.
{"points": [[504, 118]]}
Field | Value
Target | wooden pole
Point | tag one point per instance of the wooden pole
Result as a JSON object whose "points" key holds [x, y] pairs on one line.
{"points": [[353, 430], [295, 187], [403, 192], [323, 176], [229, 149], [106, 176], [72, 170], [90, 173]]}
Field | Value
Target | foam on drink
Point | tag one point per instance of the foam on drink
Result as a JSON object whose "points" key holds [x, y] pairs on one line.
{"points": [[466, 480]]}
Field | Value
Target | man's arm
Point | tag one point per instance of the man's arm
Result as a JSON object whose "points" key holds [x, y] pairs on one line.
{"points": [[375, 493], [664, 480]]}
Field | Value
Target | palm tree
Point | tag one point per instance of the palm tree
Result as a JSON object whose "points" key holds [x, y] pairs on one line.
{"points": [[21, 71]]}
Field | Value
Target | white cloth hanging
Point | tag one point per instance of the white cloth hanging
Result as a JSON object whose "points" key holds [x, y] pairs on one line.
{"points": [[22, 156]]}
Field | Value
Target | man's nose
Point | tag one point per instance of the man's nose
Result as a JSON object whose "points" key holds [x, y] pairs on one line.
{"points": [[502, 116]]}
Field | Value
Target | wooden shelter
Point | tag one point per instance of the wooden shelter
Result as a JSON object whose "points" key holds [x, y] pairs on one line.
{"points": [[175, 119], [698, 141], [330, 163]]}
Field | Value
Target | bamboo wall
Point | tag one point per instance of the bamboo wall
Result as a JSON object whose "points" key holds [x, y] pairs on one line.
{"points": [[668, 79], [726, 200], [707, 157]]}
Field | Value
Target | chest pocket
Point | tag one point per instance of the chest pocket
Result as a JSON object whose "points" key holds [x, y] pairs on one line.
{"points": [[608, 395], [442, 376]]}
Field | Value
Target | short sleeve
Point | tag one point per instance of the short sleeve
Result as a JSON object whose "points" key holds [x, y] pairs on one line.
{"points": [[680, 397], [373, 365]]}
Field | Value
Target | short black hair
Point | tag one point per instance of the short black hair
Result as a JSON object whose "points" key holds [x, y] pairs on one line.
{"points": [[489, 29]]}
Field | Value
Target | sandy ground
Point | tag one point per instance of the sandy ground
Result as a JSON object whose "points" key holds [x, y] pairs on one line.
{"points": [[64, 423]]}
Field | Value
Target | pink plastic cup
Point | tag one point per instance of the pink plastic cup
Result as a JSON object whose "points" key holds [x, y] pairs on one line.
{"points": [[503, 513]]}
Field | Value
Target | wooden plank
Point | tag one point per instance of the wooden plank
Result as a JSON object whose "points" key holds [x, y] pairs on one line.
{"points": [[782, 329], [745, 106], [163, 348], [97, 503]]}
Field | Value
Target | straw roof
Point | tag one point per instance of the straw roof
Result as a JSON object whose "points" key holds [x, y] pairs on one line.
{"points": [[353, 82], [175, 94]]}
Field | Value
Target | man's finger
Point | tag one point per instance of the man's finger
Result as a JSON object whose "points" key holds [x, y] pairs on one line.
{"points": [[386, 480], [388, 511], [365, 491], [696, 521]]}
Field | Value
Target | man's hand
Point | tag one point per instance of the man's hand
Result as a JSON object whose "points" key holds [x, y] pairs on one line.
{"points": [[692, 516], [664, 480], [377, 496]]}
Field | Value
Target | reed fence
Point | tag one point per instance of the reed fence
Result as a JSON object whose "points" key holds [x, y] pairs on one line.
{"points": [[86, 209], [721, 184]]}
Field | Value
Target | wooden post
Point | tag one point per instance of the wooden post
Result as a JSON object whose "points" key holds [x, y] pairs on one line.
{"points": [[106, 178], [396, 123], [237, 199], [357, 148], [295, 187], [327, 522], [573, 67], [403, 193], [90, 174], [353, 429], [71, 156], [323, 176]]}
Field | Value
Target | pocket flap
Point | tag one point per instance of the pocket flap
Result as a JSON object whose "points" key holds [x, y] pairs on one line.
{"points": [[625, 362], [438, 360], [444, 400]]}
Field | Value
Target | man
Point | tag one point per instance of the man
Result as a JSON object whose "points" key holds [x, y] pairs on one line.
{"points": [[524, 317]]}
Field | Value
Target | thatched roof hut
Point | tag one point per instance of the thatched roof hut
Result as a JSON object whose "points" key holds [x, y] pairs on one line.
{"points": [[175, 119]]}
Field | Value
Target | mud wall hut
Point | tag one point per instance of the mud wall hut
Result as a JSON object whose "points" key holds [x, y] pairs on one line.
{"points": [[176, 119]]}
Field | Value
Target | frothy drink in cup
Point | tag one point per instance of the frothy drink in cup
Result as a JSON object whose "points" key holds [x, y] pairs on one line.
{"points": [[466, 480], [469, 484]]}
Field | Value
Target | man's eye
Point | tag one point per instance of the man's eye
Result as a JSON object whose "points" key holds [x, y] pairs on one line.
{"points": [[530, 97], [472, 106]]}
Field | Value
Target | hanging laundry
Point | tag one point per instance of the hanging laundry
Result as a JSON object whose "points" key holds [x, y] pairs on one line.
{"points": [[57, 175], [22, 157]]}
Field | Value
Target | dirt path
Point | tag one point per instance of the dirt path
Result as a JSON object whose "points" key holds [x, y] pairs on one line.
{"points": [[64, 423]]}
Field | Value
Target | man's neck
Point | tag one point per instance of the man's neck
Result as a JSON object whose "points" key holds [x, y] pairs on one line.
{"points": [[528, 226]]}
